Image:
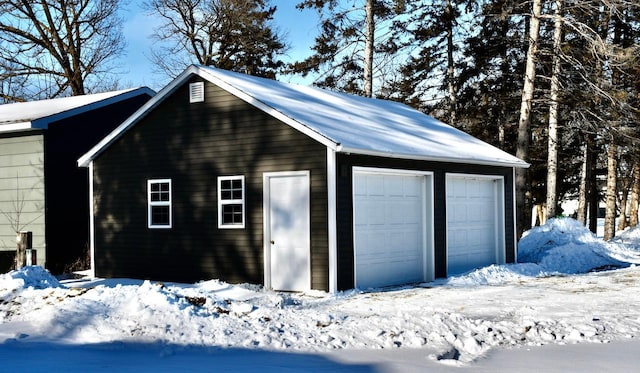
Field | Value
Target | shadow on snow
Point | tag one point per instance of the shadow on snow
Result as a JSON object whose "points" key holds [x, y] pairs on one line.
{"points": [[158, 357]]}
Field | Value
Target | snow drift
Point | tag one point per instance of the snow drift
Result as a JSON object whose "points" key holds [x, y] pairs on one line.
{"points": [[565, 246], [455, 320]]}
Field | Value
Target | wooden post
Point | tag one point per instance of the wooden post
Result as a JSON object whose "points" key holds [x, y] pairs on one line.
{"points": [[24, 241]]}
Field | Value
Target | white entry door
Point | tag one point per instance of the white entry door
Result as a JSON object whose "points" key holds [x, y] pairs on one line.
{"points": [[287, 231]]}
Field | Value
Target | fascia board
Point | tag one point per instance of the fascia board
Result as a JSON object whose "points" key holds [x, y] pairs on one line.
{"points": [[483, 162], [16, 127], [44, 122]]}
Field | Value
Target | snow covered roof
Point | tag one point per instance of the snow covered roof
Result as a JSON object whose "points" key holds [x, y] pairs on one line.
{"points": [[38, 114], [345, 123]]}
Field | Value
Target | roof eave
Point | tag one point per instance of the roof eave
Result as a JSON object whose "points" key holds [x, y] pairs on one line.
{"points": [[483, 162], [45, 121], [18, 127]]}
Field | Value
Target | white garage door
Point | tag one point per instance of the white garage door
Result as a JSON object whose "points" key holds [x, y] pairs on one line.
{"points": [[475, 228], [390, 232]]}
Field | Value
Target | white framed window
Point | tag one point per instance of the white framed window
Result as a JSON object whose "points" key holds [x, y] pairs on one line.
{"points": [[231, 201], [159, 203], [196, 92]]}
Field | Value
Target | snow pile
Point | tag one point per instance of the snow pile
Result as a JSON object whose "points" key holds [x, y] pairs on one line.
{"points": [[28, 277], [450, 323], [631, 235], [497, 275], [565, 246], [561, 246]]}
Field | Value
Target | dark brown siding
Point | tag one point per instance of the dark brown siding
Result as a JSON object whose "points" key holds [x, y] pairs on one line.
{"points": [[345, 163], [193, 144], [67, 185]]}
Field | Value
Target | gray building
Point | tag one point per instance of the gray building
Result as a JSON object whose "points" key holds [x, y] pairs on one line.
{"points": [[224, 175], [41, 188]]}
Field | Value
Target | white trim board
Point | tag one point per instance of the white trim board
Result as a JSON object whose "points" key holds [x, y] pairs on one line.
{"points": [[92, 222], [332, 220]]}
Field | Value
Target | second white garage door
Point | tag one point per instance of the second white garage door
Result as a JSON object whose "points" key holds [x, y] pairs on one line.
{"points": [[475, 224], [392, 234]]}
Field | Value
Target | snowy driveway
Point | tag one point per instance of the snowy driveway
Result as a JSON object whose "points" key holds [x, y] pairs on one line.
{"points": [[466, 321]]}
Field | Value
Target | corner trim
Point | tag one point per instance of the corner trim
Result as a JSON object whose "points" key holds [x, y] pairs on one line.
{"points": [[92, 232], [332, 220], [515, 218]]}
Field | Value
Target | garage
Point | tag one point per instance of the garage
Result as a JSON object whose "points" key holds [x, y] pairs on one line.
{"points": [[393, 236], [475, 225]]}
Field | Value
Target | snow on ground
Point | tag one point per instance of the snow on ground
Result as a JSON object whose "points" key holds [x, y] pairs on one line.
{"points": [[569, 288]]}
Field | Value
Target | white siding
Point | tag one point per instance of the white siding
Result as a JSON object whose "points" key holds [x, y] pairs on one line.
{"points": [[22, 190]]}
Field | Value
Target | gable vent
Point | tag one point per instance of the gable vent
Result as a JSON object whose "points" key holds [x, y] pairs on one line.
{"points": [[196, 92]]}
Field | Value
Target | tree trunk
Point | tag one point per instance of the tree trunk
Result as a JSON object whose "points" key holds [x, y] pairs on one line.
{"points": [[594, 192], [524, 124], [368, 49], [610, 212], [633, 198], [541, 217], [24, 242], [552, 157], [581, 213], [450, 65], [624, 195]]}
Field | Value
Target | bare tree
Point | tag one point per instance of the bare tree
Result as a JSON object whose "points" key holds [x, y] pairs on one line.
{"points": [[61, 47], [524, 123], [594, 64], [370, 35], [552, 155], [12, 88], [230, 34]]}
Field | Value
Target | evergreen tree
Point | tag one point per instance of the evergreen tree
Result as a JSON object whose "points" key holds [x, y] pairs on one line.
{"points": [[430, 36], [353, 51], [235, 35], [490, 78]]}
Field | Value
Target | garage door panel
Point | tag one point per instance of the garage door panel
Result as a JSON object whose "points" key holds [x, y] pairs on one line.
{"points": [[375, 215], [457, 189], [457, 214], [389, 228], [472, 223], [374, 240], [393, 187], [480, 217]]}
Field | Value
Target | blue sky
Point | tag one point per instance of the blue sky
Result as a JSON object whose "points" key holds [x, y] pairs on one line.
{"points": [[299, 27]]}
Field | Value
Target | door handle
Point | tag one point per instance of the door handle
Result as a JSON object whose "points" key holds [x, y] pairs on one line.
{"points": [[273, 242]]}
